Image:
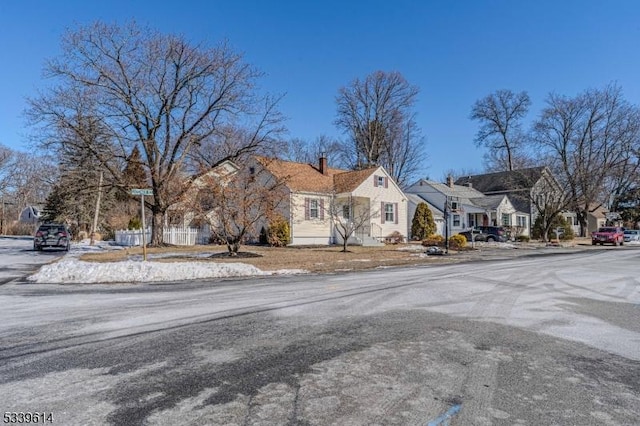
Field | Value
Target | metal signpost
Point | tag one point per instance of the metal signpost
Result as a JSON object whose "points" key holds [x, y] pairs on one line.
{"points": [[142, 193]]}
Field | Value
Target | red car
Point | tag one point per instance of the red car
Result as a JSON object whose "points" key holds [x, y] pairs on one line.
{"points": [[608, 235]]}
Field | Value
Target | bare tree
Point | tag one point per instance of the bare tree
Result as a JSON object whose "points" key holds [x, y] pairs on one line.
{"points": [[588, 138], [302, 151], [377, 116], [236, 206], [29, 179], [500, 115], [350, 215], [120, 87], [6, 154]]}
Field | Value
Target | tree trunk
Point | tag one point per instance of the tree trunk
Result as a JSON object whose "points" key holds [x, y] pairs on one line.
{"points": [[233, 245], [157, 226], [582, 219]]}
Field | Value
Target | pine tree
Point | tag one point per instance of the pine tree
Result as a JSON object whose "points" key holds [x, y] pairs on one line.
{"points": [[55, 206], [423, 224]]}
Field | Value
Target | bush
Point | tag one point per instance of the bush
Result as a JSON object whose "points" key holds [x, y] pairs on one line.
{"points": [[278, 234], [558, 222], [394, 238], [457, 241], [522, 239], [433, 240], [134, 223], [422, 224]]}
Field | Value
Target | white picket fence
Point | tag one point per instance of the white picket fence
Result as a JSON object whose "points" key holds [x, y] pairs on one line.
{"points": [[170, 235]]}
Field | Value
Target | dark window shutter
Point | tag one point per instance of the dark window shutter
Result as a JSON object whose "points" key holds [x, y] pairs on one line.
{"points": [[386, 182], [307, 203], [321, 207], [382, 212], [375, 180], [395, 208]]}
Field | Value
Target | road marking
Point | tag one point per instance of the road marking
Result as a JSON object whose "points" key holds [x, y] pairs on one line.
{"points": [[443, 420]]}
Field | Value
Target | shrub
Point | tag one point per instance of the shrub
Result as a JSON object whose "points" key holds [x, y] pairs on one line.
{"points": [[433, 240], [558, 222], [278, 234], [457, 241], [522, 238], [422, 224], [134, 223], [394, 238]]}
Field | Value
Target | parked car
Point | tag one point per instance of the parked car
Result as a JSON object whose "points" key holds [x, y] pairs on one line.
{"points": [[55, 235], [631, 235], [608, 235], [486, 233]]}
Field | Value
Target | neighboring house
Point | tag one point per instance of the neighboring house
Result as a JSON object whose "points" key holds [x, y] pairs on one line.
{"points": [[321, 197], [528, 190], [467, 206], [596, 218], [438, 216], [30, 214]]}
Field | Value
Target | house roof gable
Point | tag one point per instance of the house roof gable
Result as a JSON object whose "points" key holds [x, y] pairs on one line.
{"points": [[504, 181], [304, 177]]}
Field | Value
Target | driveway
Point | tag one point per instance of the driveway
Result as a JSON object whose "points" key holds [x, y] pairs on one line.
{"points": [[524, 341]]}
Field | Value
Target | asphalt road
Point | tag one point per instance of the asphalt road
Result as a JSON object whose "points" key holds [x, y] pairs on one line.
{"points": [[535, 340]]}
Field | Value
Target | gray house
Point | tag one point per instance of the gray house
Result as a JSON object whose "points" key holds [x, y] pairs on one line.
{"points": [[525, 188], [30, 214], [468, 206]]}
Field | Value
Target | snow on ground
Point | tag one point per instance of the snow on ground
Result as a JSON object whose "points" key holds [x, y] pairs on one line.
{"points": [[70, 269], [129, 271]]}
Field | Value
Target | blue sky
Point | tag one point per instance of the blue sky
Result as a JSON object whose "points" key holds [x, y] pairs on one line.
{"points": [[455, 51]]}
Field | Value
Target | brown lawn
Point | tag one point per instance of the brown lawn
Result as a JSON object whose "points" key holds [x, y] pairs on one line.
{"points": [[314, 259]]}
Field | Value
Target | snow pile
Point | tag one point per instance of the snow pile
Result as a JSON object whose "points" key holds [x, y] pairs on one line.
{"points": [[75, 271]]}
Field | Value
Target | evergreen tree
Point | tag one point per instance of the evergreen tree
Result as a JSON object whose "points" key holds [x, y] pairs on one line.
{"points": [[55, 209], [423, 224]]}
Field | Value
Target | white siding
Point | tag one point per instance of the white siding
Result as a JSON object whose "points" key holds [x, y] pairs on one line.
{"points": [[310, 231], [377, 195]]}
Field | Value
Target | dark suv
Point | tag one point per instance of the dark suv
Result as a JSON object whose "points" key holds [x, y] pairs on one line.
{"points": [[52, 235], [487, 233]]}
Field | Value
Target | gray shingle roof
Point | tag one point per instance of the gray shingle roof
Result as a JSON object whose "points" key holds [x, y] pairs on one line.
{"points": [[503, 182]]}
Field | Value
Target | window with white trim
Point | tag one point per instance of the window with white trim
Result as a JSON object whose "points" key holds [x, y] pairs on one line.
{"points": [[454, 205], [456, 220], [506, 219], [380, 180], [389, 214], [314, 209], [521, 221]]}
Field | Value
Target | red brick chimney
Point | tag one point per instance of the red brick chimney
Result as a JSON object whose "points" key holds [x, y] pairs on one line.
{"points": [[324, 167]]}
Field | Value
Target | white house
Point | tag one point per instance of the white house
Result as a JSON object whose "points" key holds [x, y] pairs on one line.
{"points": [[321, 199], [321, 202]]}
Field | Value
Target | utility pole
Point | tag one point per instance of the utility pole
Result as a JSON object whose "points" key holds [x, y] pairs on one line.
{"points": [[446, 225], [2, 222], [95, 215]]}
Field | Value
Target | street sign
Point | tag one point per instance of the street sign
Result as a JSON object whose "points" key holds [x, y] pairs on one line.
{"points": [[139, 191]]}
